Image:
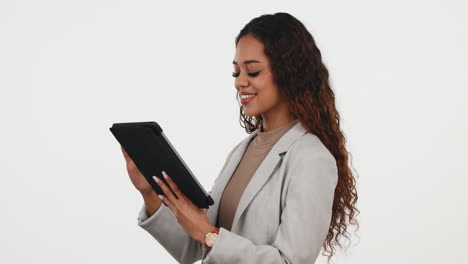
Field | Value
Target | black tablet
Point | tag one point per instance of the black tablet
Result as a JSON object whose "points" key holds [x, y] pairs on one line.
{"points": [[152, 152]]}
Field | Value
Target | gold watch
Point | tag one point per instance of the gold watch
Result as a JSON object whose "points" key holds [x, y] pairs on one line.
{"points": [[210, 238]]}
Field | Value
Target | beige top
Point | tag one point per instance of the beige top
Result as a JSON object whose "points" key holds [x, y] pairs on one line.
{"points": [[256, 151]]}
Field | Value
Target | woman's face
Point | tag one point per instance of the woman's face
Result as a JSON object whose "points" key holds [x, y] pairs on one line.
{"points": [[253, 74]]}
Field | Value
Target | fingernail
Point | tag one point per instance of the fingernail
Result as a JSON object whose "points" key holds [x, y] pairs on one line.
{"points": [[156, 179], [164, 174], [160, 196]]}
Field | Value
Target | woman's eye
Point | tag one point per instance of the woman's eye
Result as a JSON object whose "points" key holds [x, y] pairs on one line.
{"points": [[250, 74]]}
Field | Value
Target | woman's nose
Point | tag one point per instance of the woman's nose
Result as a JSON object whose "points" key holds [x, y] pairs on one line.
{"points": [[241, 81]]}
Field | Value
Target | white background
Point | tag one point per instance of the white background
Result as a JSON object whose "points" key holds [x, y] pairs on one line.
{"points": [[69, 69]]}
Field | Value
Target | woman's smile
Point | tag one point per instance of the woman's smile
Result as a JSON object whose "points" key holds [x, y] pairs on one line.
{"points": [[245, 99]]}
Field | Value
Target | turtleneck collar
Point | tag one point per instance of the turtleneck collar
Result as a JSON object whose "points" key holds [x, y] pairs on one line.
{"points": [[271, 137]]}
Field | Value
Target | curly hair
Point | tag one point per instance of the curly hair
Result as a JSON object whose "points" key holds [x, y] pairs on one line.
{"points": [[303, 80]]}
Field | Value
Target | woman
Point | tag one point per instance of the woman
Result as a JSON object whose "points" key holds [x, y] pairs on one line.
{"points": [[286, 190]]}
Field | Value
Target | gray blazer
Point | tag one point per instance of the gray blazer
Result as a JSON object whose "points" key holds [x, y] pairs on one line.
{"points": [[283, 215]]}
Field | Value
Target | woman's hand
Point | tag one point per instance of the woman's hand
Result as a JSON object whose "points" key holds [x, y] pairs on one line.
{"points": [[137, 178], [194, 220]]}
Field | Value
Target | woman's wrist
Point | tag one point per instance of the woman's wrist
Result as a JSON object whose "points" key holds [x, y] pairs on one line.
{"points": [[205, 230], [152, 201], [149, 196]]}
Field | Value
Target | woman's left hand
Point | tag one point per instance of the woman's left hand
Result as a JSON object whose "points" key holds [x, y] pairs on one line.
{"points": [[194, 220]]}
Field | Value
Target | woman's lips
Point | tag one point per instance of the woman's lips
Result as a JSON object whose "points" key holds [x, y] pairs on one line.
{"points": [[247, 100]]}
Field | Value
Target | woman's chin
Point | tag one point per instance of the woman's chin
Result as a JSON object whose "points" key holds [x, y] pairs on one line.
{"points": [[250, 113], [251, 109]]}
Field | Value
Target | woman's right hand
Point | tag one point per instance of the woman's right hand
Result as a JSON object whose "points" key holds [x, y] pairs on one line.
{"points": [[137, 178]]}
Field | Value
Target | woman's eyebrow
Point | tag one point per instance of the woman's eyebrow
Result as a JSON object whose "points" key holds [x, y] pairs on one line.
{"points": [[246, 61]]}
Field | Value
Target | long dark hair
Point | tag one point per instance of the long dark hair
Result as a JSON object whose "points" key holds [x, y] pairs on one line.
{"points": [[303, 80]]}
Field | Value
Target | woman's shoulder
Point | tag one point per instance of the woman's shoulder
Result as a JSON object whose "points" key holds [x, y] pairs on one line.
{"points": [[310, 145], [309, 156]]}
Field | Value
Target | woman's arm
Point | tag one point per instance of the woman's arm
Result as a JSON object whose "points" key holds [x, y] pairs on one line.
{"points": [[305, 219], [152, 202], [165, 228]]}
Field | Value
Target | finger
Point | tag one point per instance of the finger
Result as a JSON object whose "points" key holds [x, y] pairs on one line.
{"points": [[165, 189], [173, 185], [167, 202]]}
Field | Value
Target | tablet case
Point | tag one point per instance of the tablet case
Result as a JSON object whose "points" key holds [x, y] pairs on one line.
{"points": [[152, 152]]}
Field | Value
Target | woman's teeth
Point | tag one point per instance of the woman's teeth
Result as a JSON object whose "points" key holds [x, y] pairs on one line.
{"points": [[247, 96]]}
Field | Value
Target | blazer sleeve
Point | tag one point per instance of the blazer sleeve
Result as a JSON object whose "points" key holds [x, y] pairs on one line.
{"points": [[305, 219], [165, 228]]}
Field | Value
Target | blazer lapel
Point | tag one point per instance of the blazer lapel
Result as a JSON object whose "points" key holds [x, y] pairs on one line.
{"points": [[260, 176]]}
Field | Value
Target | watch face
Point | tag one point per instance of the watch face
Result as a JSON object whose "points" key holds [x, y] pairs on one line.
{"points": [[210, 239]]}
